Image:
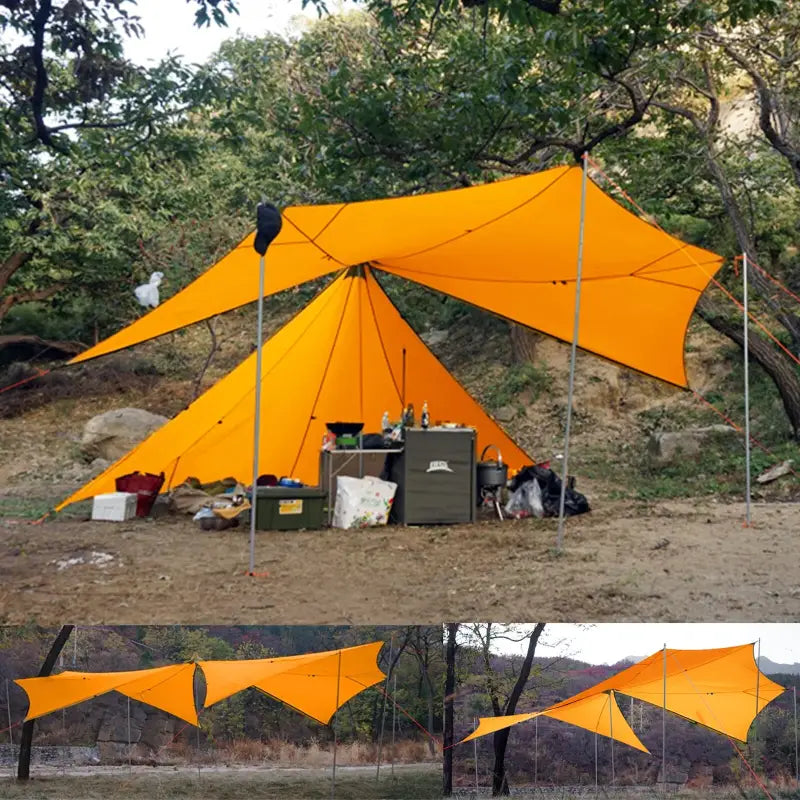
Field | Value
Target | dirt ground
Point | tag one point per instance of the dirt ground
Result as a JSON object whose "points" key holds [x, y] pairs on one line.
{"points": [[625, 561]]}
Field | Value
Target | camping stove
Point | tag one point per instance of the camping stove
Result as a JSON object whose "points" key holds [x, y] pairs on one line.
{"points": [[492, 477]]}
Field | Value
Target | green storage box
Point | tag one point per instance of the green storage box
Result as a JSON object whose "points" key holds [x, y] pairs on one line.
{"points": [[282, 508]]}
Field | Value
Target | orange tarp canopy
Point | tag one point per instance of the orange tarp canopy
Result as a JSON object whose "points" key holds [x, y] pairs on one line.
{"points": [[340, 358], [509, 247], [316, 685], [598, 713], [713, 687], [716, 688], [169, 688]]}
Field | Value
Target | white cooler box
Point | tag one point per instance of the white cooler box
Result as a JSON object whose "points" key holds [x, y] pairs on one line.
{"points": [[114, 507]]}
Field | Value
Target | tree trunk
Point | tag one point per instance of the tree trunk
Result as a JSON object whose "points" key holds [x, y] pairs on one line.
{"points": [[499, 780], [24, 766], [523, 344], [449, 692], [783, 373]]}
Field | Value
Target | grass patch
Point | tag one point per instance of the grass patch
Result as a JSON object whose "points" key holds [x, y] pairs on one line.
{"points": [[226, 785], [529, 379]]}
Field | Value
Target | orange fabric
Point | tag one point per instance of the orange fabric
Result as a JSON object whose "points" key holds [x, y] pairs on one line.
{"points": [[169, 688], [714, 687], [339, 359], [509, 247], [310, 683], [598, 713]]}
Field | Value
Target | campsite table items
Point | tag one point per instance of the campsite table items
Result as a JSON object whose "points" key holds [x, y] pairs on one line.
{"points": [[362, 502], [347, 433], [287, 508], [114, 507], [145, 486], [435, 477], [355, 464], [491, 478]]}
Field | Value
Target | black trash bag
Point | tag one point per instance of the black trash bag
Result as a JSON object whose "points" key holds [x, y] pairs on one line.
{"points": [[550, 484]]}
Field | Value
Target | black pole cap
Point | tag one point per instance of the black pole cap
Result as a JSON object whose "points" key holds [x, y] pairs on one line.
{"points": [[268, 226]]}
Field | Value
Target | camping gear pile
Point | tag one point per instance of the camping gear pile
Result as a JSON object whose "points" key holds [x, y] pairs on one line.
{"points": [[536, 491]]}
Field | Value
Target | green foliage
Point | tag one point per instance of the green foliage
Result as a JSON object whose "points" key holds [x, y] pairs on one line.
{"points": [[530, 380]]}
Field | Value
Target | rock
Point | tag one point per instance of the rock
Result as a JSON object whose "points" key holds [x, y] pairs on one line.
{"points": [[672, 447], [676, 776], [773, 473], [99, 465], [435, 337], [111, 435], [505, 414]]}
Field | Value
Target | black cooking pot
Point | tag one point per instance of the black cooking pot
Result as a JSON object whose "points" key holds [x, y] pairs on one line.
{"points": [[345, 428], [491, 474]]}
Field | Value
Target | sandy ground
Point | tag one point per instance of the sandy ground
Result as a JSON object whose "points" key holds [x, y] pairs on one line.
{"points": [[671, 561]]}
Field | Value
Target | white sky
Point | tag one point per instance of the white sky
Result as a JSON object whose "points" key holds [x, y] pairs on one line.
{"points": [[608, 643], [169, 26]]}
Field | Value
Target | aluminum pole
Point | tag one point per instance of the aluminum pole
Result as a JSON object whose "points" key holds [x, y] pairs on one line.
{"points": [[257, 421], [383, 712], [796, 763], [130, 764], [11, 727], [573, 355], [746, 393], [335, 723], [536, 753], [611, 732], [475, 755], [595, 764], [664, 727], [394, 717], [758, 676]]}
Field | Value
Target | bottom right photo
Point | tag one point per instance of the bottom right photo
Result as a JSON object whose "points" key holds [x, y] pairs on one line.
{"points": [[622, 710]]}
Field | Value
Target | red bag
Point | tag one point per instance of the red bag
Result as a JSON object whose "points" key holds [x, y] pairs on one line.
{"points": [[145, 486]]}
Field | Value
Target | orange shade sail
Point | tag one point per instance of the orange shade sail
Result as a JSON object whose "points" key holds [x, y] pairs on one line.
{"points": [[169, 688], [720, 688], [345, 356], [597, 713], [316, 685], [509, 247]]}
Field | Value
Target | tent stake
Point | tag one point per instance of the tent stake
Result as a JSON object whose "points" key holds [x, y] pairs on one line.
{"points": [[746, 394], [257, 421], [336, 723], [573, 356]]}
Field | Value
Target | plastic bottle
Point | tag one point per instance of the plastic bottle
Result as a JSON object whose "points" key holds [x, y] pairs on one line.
{"points": [[426, 417], [386, 426]]}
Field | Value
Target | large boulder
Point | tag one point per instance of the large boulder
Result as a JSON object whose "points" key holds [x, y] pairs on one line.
{"points": [[112, 434], [672, 447]]}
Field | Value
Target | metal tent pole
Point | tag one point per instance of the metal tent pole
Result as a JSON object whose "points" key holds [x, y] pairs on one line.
{"points": [[383, 713], [130, 764], [611, 732], [746, 393], [595, 764], [758, 686], [257, 421], [475, 755], [573, 356], [335, 722], [796, 763], [10, 726], [536, 753], [394, 716], [664, 727]]}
